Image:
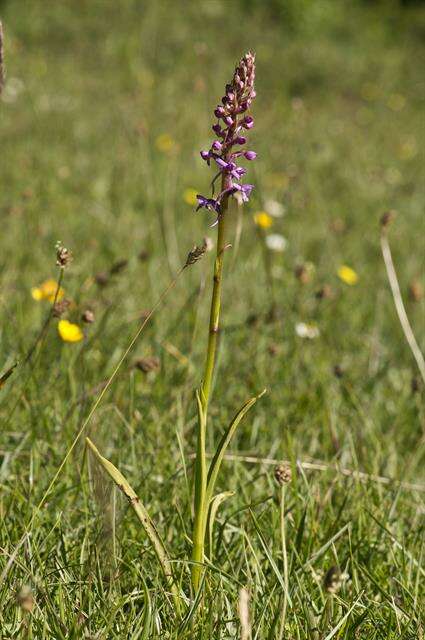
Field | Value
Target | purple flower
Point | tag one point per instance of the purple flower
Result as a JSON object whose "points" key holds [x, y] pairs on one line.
{"points": [[209, 203], [233, 118]]}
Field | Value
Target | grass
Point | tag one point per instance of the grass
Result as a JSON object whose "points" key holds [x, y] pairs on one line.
{"points": [[90, 88]]}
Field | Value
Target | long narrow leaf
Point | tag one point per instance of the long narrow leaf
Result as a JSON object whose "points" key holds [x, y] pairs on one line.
{"points": [[143, 516], [215, 504], [224, 443]]}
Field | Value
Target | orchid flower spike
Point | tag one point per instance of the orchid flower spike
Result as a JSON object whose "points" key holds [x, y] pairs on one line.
{"points": [[232, 120]]}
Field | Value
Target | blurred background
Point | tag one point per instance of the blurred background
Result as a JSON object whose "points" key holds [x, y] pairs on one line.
{"points": [[105, 109]]}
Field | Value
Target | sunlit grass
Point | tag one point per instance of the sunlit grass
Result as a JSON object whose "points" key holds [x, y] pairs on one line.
{"points": [[103, 115]]}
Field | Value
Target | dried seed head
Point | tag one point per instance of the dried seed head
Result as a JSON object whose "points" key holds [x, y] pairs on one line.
{"points": [[302, 273], [147, 364], [415, 384], [60, 307], [387, 218], [118, 266], [25, 598], [283, 474], [338, 371], [324, 292], [87, 316], [143, 255], [2, 71], [334, 579], [63, 255], [416, 292], [196, 254], [102, 278]]}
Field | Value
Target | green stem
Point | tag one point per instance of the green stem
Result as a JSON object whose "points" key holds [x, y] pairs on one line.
{"points": [[215, 310], [201, 507]]}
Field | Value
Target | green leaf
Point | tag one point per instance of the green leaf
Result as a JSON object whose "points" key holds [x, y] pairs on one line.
{"points": [[143, 516], [224, 443], [214, 505]]}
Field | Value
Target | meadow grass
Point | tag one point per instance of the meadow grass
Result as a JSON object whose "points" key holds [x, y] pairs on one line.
{"points": [[104, 110]]}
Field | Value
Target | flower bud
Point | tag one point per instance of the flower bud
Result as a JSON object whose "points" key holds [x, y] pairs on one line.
{"points": [[248, 122], [250, 155], [216, 145]]}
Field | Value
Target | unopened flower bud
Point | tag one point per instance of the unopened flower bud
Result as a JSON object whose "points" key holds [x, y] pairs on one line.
{"points": [[248, 122], [250, 155]]}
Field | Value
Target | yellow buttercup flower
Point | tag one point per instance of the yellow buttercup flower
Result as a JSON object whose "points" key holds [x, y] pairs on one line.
{"points": [[69, 332], [189, 196], [46, 291], [396, 102], [347, 275], [263, 220], [165, 143]]}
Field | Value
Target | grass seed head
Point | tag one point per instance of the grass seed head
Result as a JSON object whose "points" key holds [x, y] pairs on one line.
{"points": [[63, 255], [334, 580], [61, 307], [87, 316], [387, 218], [283, 474]]}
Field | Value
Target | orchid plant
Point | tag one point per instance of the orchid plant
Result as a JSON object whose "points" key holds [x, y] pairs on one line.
{"points": [[226, 150]]}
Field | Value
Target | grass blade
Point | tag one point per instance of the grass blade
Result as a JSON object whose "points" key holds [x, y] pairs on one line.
{"points": [[224, 443], [144, 518]]}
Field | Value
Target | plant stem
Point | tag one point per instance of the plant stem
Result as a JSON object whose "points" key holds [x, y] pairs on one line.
{"points": [[201, 507], [215, 310], [285, 561]]}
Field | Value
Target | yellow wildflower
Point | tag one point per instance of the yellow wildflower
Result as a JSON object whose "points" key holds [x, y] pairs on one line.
{"points": [[347, 275], [263, 220], [189, 196], [165, 143], [69, 332], [46, 291], [396, 102]]}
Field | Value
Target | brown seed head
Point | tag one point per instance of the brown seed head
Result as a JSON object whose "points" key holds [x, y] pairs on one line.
{"points": [[338, 371], [283, 474], [302, 274], [60, 307], [147, 364], [387, 218], [63, 255], [196, 254], [334, 580], [143, 255], [25, 598], [416, 292], [101, 278], [87, 316], [118, 266], [324, 292]]}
